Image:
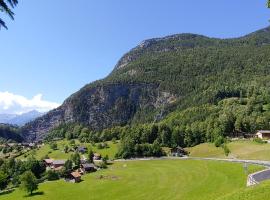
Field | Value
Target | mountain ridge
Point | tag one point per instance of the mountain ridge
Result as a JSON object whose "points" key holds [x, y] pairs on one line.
{"points": [[20, 120], [180, 70]]}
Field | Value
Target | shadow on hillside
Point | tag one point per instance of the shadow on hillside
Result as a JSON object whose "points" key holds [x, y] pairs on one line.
{"points": [[35, 194], [6, 192]]}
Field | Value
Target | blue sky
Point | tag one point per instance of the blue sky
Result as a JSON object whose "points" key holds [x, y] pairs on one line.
{"points": [[54, 48]]}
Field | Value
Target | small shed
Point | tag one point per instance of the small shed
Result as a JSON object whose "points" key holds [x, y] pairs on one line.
{"points": [[76, 177], [178, 152], [263, 134]]}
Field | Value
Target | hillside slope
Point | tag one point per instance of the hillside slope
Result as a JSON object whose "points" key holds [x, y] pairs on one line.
{"points": [[9, 133], [164, 74]]}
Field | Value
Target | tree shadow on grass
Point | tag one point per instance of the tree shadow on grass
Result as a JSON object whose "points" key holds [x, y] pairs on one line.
{"points": [[110, 163], [6, 192], [35, 194]]}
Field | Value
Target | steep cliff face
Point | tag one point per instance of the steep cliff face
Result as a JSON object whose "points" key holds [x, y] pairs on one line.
{"points": [[100, 107]]}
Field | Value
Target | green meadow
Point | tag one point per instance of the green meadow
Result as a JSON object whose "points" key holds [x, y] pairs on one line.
{"points": [[159, 180], [242, 149], [260, 192]]}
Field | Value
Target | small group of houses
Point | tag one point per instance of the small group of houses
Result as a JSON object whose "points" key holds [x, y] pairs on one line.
{"points": [[75, 176]]}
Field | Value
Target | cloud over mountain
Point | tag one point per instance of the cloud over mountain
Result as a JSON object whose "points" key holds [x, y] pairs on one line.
{"points": [[16, 104]]}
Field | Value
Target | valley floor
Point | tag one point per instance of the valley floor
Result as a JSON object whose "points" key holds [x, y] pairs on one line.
{"points": [[156, 179], [162, 179]]}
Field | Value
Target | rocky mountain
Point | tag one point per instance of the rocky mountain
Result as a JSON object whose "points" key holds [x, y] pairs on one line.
{"points": [[5, 118], [161, 75], [19, 120]]}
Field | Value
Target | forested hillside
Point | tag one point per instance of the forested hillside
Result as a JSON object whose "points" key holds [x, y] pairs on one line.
{"points": [[167, 79], [9, 133]]}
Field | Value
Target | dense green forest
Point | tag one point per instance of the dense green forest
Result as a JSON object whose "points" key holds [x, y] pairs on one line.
{"points": [[9, 133]]}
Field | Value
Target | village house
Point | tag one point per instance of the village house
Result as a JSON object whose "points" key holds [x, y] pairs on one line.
{"points": [[11, 144], [82, 150], [48, 162], [83, 161], [58, 163], [97, 156], [263, 134], [75, 177], [88, 167], [32, 145]]}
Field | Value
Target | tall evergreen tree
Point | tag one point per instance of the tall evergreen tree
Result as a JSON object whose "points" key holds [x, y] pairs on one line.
{"points": [[6, 6]]}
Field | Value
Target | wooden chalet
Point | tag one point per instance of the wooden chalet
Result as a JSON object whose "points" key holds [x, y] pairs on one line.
{"points": [[88, 167], [75, 177]]}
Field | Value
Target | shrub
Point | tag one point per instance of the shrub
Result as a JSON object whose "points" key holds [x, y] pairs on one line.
{"points": [[259, 141], [52, 175], [103, 165], [219, 141], [226, 150], [53, 146]]}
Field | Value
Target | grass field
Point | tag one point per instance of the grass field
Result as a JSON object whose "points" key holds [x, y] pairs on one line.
{"points": [[60, 154], [260, 192], [157, 180], [239, 149]]}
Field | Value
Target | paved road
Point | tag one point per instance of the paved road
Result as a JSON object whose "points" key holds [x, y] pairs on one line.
{"points": [[256, 178], [256, 162]]}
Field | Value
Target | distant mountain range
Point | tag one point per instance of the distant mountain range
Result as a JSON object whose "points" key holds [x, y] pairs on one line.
{"points": [[19, 120]]}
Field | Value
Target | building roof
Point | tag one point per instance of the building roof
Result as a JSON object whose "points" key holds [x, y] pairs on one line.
{"points": [[59, 162], [82, 148], [32, 144], [88, 165], [76, 174], [48, 161], [264, 131]]}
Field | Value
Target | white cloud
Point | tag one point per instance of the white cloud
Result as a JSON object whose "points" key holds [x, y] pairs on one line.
{"points": [[16, 104]]}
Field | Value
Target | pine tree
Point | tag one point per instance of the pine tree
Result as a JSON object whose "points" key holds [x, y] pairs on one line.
{"points": [[6, 6]]}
